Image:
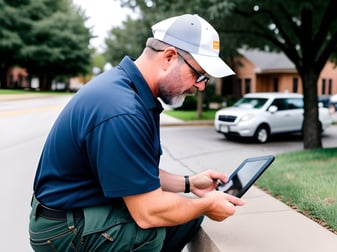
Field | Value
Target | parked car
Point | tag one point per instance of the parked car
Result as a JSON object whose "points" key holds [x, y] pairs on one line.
{"points": [[328, 101], [324, 101], [333, 103], [260, 115]]}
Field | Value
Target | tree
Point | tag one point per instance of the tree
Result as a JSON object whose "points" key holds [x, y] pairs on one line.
{"points": [[10, 40], [58, 41], [126, 40], [306, 31], [98, 61], [46, 37]]}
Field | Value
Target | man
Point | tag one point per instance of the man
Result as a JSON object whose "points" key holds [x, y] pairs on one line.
{"points": [[98, 186]]}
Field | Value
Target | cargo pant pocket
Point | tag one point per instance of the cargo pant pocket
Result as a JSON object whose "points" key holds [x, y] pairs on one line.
{"points": [[113, 229], [56, 235], [52, 235]]}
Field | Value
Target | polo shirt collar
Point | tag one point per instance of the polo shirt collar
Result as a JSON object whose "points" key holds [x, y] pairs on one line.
{"points": [[138, 80]]}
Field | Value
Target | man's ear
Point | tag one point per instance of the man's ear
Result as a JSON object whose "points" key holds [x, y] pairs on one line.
{"points": [[169, 55]]}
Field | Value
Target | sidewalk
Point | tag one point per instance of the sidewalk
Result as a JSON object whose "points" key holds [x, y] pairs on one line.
{"points": [[264, 224], [334, 117]]}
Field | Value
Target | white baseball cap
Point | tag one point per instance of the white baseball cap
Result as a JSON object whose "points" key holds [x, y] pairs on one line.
{"points": [[196, 36]]}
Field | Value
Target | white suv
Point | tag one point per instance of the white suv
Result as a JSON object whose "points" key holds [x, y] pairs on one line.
{"points": [[260, 115]]}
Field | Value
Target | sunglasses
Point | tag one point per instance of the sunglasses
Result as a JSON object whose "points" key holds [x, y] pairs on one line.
{"points": [[201, 77]]}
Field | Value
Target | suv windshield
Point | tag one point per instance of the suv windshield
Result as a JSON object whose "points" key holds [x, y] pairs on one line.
{"points": [[250, 103]]}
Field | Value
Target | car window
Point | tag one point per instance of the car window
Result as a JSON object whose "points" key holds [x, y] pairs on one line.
{"points": [[288, 103], [250, 102], [281, 104], [295, 103]]}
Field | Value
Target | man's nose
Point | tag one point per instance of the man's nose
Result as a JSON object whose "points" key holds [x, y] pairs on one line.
{"points": [[200, 86]]}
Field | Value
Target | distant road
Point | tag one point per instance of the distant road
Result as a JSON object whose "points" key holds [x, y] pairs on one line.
{"points": [[24, 125]]}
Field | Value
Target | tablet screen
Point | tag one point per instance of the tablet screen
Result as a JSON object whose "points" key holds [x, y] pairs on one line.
{"points": [[245, 175]]}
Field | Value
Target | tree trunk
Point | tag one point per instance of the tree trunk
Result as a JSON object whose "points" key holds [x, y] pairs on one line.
{"points": [[45, 82], [199, 106], [3, 76], [311, 125]]}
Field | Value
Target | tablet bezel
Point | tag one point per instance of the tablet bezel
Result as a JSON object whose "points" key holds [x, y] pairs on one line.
{"points": [[268, 160]]}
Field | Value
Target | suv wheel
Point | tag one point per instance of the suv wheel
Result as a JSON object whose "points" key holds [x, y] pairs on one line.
{"points": [[262, 134]]}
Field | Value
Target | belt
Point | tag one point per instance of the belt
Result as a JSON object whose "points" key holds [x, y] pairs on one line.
{"points": [[58, 214]]}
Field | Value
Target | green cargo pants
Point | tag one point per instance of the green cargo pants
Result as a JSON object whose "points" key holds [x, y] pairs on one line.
{"points": [[104, 228], [101, 228]]}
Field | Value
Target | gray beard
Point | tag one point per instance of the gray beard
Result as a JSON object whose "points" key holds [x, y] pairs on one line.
{"points": [[177, 101]]}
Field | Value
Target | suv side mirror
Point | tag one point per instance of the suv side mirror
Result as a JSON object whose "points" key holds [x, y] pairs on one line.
{"points": [[272, 109]]}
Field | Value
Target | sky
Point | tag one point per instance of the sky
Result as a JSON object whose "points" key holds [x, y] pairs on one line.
{"points": [[103, 15]]}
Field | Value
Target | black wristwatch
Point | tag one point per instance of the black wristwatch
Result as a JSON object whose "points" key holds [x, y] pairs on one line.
{"points": [[187, 184]]}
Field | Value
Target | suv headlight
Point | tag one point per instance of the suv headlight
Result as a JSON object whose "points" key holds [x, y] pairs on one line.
{"points": [[246, 117]]}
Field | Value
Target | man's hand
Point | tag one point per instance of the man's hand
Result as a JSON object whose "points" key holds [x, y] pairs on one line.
{"points": [[223, 205], [205, 182]]}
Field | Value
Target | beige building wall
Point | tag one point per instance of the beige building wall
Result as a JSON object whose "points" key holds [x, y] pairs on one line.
{"points": [[281, 80], [328, 80]]}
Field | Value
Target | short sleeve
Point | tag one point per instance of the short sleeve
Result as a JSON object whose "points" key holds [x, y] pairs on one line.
{"points": [[123, 156]]}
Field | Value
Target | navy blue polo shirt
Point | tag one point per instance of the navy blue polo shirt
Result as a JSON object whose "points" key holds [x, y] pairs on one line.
{"points": [[104, 144]]}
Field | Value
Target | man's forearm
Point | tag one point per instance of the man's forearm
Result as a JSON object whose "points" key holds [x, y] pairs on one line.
{"points": [[170, 182]]}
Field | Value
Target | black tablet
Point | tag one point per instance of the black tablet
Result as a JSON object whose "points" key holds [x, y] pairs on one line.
{"points": [[245, 175]]}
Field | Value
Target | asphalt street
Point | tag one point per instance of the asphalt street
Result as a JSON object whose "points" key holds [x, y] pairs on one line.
{"points": [[196, 148]]}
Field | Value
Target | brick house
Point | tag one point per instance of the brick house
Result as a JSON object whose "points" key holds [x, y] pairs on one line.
{"points": [[258, 71], [17, 77]]}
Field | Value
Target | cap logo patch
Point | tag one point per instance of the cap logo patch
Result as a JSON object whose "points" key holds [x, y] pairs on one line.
{"points": [[216, 44]]}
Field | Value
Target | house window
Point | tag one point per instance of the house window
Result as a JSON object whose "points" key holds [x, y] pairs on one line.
{"points": [[323, 86], [330, 86], [275, 84], [247, 85], [295, 85], [239, 87]]}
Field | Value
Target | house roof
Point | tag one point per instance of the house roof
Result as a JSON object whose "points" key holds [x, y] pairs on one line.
{"points": [[268, 62]]}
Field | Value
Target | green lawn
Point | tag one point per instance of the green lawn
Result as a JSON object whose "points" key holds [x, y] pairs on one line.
{"points": [[307, 181], [12, 91], [191, 115]]}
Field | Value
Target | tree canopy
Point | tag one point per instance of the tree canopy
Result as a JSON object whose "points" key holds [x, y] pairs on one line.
{"points": [[10, 39], [46, 37], [305, 31], [131, 42]]}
